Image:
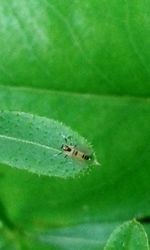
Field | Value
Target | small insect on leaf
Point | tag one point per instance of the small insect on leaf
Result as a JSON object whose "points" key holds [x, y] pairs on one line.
{"points": [[43, 146]]}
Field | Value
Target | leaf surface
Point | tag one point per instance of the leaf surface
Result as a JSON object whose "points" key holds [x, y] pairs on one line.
{"points": [[118, 129], [80, 46], [34, 143], [129, 236]]}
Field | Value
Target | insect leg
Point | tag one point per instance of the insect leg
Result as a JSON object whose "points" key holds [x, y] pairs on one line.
{"points": [[68, 139], [58, 154], [65, 138]]}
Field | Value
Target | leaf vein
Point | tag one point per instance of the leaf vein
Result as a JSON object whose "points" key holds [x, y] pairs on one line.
{"points": [[28, 142]]}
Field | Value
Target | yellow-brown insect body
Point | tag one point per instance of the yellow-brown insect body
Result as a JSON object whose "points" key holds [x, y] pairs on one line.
{"points": [[72, 151]]}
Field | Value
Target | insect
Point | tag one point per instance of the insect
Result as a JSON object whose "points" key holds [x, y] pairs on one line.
{"points": [[74, 152]]}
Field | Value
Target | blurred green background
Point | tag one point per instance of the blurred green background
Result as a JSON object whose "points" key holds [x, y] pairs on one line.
{"points": [[85, 63]]}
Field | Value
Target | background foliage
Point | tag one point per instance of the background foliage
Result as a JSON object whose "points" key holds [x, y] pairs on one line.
{"points": [[85, 63]]}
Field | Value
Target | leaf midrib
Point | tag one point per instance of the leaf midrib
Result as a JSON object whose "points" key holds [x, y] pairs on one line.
{"points": [[55, 91], [28, 142]]}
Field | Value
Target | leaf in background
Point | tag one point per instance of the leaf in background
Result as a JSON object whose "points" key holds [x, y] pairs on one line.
{"points": [[83, 236], [34, 143], [80, 46], [129, 236]]}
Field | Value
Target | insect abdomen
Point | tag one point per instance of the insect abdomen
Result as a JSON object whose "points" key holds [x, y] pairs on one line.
{"points": [[81, 155], [85, 157]]}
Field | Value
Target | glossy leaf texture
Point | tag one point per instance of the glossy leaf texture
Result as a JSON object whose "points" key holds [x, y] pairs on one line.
{"points": [[34, 143], [79, 46], [129, 236]]}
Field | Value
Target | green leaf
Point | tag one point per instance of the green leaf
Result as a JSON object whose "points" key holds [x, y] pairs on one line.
{"points": [[83, 236], [34, 143], [82, 47], [119, 131], [129, 236], [79, 46]]}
